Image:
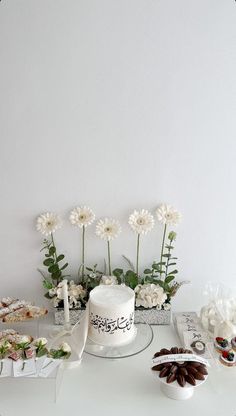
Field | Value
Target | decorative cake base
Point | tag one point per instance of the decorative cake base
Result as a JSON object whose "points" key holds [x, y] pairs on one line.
{"points": [[152, 316], [75, 315], [142, 315], [141, 341]]}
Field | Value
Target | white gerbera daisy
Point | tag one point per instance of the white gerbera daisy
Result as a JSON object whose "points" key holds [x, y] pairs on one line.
{"points": [[108, 229], [141, 222], [48, 223], [166, 214], [82, 216]]}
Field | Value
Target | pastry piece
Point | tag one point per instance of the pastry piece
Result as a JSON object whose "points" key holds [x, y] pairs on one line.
{"points": [[14, 306], [228, 358], [233, 343], [221, 344], [183, 372], [28, 312], [7, 332], [7, 301], [199, 347]]}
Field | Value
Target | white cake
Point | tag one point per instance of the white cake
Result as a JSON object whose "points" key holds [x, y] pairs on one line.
{"points": [[111, 315]]}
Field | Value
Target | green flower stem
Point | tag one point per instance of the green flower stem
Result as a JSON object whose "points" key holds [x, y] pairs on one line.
{"points": [[137, 257], [109, 257], [83, 257], [168, 260], [162, 247], [55, 254]]}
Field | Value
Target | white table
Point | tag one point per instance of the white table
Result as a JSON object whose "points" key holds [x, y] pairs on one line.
{"points": [[126, 386]]}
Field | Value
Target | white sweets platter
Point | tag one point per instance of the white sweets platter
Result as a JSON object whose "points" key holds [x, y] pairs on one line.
{"points": [[143, 338]]}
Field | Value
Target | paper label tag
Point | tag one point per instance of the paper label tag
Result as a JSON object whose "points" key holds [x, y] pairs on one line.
{"points": [[182, 317], [49, 365], [24, 368], [38, 363], [5, 368], [180, 358]]}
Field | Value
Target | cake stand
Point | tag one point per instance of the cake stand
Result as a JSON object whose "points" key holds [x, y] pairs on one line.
{"points": [[142, 340]]}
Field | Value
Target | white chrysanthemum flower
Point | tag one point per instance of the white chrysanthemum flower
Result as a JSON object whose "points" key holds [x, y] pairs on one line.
{"points": [[23, 339], [65, 347], [141, 222], [82, 216], [150, 296], [4, 344], [108, 280], [167, 306], [75, 293], [40, 341], [48, 223], [108, 229], [166, 214]]}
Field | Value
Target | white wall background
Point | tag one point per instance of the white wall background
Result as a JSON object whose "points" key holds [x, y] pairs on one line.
{"points": [[118, 105]]}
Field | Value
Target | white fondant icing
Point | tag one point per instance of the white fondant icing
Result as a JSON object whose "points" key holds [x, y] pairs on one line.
{"points": [[111, 315]]}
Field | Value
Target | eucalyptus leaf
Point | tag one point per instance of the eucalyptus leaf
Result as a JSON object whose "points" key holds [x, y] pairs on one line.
{"points": [[117, 272], [147, 271], [54, 268], [47, 285], [63, 267], [52, 250], [48, 262], [169, 279], [60, 257], [173, 272]]}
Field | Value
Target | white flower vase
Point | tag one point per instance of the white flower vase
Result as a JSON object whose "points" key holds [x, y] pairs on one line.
{"points": [[75, 315], [152, 316]]}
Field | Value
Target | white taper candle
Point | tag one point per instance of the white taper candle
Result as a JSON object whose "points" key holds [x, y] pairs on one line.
{"points": [[66, 303]]}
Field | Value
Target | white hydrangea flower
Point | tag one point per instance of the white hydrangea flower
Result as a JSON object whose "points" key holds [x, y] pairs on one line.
{"points": [[48, 223], [167, 306], [108, 229], [40, 341], [166, 214], [82, 216], [108, 280], [52, 292], [59, 291], [75, 293], [141, 222], [55, 302], [150, 295], [65, 347]]}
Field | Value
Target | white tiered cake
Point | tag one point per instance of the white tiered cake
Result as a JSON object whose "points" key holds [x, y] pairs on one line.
{"points": [[111, 315]]}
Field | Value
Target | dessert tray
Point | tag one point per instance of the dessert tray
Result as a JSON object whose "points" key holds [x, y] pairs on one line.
{"points": [[143, 338]]}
